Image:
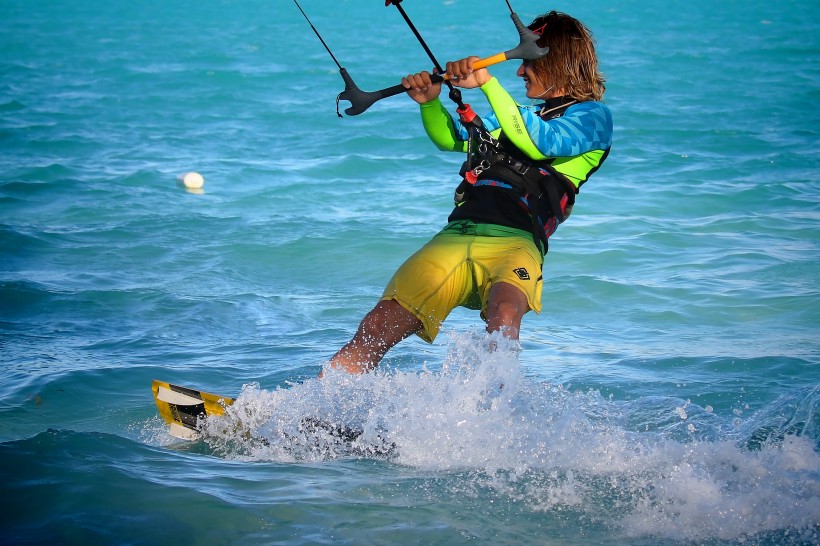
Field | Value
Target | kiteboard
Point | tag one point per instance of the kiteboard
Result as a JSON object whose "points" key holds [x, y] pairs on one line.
{"points": [[181, 407]]}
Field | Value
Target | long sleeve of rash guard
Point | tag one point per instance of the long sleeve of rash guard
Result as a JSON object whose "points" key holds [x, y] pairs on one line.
{"points": [[440, 127]]}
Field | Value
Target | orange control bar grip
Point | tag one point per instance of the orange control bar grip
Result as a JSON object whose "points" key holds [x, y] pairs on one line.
{"points": [[487, 61]]}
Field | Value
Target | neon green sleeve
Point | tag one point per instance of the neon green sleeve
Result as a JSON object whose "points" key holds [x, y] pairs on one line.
{"points": [[509, 117], [439, 127]]}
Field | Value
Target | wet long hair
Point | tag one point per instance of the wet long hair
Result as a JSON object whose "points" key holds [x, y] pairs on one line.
{"points": [[571, 63]]}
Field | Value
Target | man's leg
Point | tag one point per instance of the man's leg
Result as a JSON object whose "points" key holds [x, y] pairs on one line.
{"points": [[381, 329], [506, 306]]}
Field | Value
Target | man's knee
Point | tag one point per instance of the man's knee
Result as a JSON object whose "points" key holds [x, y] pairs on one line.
{"points": [[505, 313], [388, 320], [505, 309]]}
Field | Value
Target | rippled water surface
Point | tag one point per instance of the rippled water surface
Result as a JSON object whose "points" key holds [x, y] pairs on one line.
{"points": [[668, 394]]}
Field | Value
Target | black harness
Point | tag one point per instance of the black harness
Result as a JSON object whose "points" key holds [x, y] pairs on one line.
{"points": [[542, 187]]}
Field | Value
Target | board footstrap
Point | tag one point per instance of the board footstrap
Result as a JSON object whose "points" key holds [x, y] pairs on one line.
{"points": [[181, 407]]}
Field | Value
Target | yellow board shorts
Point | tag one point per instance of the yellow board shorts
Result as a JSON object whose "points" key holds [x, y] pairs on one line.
{"points": [[458, 267]]}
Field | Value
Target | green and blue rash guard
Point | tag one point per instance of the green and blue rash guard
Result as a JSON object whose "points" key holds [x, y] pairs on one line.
{"points": [[574, 144]]}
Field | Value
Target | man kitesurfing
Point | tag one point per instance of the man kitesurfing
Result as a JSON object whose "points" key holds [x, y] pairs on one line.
{"points": [[525, 165]]}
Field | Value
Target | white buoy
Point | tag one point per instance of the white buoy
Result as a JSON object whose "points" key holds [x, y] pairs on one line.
{"points": [[192, 180]]}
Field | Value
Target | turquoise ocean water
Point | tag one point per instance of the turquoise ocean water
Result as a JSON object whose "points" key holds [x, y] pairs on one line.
{"points": [[668, 394]]}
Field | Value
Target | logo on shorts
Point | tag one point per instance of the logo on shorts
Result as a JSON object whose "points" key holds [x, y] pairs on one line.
{"points": [[522, 273]]}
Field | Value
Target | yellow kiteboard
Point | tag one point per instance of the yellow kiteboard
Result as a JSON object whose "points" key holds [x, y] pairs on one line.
{"points": [[180, 407]]}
